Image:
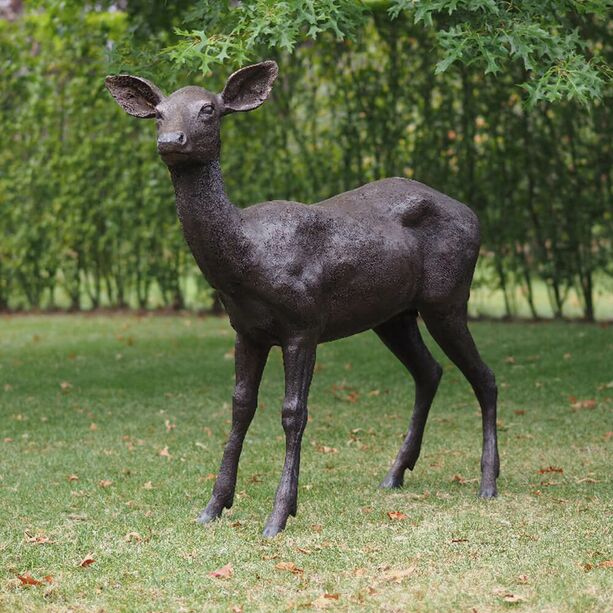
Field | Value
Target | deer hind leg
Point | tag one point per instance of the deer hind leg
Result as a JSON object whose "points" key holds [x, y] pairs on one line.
{"points": [[298, 360], [250, 359], [401, 335], [450, 330]]}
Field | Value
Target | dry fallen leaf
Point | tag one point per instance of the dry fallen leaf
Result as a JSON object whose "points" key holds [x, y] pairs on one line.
{"points": [[522, 579], [237, 609], [28, 579], [38, 539], [65, 385], [225, 572], [148, 486], [133, 537], [398, 575], [397, 515], [88, 560], [325, 600], [164, 453], [578, 405], [512, 598], [462, 481], [606, 564], [290, 567], [169, 427], [326, 449], [550, 469], [105, 483], [510, 360], [73, 477]]}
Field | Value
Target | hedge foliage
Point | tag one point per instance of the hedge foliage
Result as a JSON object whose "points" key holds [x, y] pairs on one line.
{"points": [[366, 90]]}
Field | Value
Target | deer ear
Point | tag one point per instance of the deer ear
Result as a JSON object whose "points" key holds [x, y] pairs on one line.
{"points": [[249, 87], [137, 97]]}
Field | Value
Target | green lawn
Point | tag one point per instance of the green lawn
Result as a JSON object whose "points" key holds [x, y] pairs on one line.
{"points": [[87, 404]]}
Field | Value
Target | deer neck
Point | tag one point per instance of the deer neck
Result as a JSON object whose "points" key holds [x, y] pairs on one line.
{"points": [[211, 224]]}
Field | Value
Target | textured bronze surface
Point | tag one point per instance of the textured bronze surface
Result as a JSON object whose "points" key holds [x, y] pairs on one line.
{"points": [[297, 275]]}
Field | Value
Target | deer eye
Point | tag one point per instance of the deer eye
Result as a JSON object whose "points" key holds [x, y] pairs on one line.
{"points": [[206, 111]]}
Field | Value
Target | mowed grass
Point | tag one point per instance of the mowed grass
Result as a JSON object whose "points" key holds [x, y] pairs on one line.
{"points": [[111, 428]]}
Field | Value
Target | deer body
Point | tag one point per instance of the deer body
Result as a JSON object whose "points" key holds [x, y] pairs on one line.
{"points": [[296, 275]]}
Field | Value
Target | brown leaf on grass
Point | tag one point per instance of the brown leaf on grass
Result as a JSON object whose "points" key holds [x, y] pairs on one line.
{"points": [[38, 539], [73, 477], [550, 469], [459, 540], [133, 537], [8, 439], [237, 609], [148, 486], [169, 427], [579, 405], [28, 579], [607, 436], [397, 515], [512, 598], [105, 483], [398, 575], [510, 360], [88, 560], [462, 481], [164, 453], [290, 567], [65, 386], [304, 550], [519, 412], [326, 449], [549, 483], [225, 572], [48, 579], [359, 572], [316, 528], [93, 427], [325, 600], [606, 564]]}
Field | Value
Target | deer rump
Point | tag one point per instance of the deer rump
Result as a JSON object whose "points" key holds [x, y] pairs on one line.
{"points": [[351, 262]]}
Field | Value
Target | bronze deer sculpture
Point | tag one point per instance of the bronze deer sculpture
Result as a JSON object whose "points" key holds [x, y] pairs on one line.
{"points": [[297, 275]]}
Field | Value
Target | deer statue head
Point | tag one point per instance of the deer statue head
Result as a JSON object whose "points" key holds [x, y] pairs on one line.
{"points": [[189, 120]]}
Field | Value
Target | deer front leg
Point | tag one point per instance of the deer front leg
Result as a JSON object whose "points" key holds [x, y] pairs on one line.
{"points": [[250, 359], [299, 360]]}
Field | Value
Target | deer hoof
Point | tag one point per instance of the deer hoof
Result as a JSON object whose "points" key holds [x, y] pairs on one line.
{"points": [[392, 482], [207, 516], [273, 528], [488, 491]]}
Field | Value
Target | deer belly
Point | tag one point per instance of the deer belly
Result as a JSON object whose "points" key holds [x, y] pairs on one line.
{"points": [[366, 298]]}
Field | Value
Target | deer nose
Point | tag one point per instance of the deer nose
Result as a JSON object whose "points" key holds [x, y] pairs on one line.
{"points": [[169, 142]]}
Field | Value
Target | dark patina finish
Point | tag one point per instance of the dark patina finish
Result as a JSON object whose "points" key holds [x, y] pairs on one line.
{"points": [[295, 275]]}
